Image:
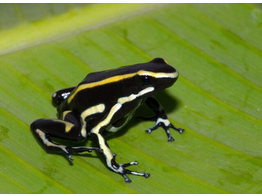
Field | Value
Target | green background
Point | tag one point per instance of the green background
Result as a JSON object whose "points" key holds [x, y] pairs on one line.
{"points": [[217, 49]]}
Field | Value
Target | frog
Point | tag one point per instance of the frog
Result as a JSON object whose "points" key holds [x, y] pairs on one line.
{"points": [[101, 105]]}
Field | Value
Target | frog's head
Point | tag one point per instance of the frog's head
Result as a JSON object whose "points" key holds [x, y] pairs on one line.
{"points": [[155, 76]]}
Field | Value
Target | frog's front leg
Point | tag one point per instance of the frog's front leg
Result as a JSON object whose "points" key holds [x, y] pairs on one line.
{"points": [[160, 118], [68, 129], [110, 159]]}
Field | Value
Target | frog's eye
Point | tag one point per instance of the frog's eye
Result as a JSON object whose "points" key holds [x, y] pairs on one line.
{"points": [[146, 80]]}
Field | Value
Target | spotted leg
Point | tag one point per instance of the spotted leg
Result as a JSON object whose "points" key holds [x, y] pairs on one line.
{"points": [[160, 118], [68, 129]]}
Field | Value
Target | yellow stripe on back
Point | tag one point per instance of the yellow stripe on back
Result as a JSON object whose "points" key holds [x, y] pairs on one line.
{"points": [[158, 74], [99, 83], [121, 77]]}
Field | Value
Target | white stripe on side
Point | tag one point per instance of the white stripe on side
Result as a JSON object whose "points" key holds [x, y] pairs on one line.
{"points": [[92, 110], [107, 120]]}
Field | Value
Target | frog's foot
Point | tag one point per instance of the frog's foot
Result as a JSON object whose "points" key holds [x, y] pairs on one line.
{"points": [[79, 149], [165, 124], [123, 171]]}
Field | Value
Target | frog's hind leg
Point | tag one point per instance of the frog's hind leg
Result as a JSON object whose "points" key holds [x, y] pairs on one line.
{"points": [[68, 129], [110, 159]]}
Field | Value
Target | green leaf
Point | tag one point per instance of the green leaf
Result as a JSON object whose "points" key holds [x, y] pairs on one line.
{"points": [[217, 49]]}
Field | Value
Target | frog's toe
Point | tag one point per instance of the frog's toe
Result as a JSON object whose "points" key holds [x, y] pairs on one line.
{"points": [[126, 171], [180, 130], [170, 139], [127, 180], [70, 158], [129, 164], [79, 149]]}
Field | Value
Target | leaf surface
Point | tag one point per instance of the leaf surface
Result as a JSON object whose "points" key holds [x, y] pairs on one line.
{"points": [[217, 49]]}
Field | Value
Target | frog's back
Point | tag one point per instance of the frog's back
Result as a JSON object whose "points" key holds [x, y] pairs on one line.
{"points": [[108, 86], [156, 65]]}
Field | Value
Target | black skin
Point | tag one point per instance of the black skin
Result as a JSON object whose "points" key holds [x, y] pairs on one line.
{"points": [[43, 129]]}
